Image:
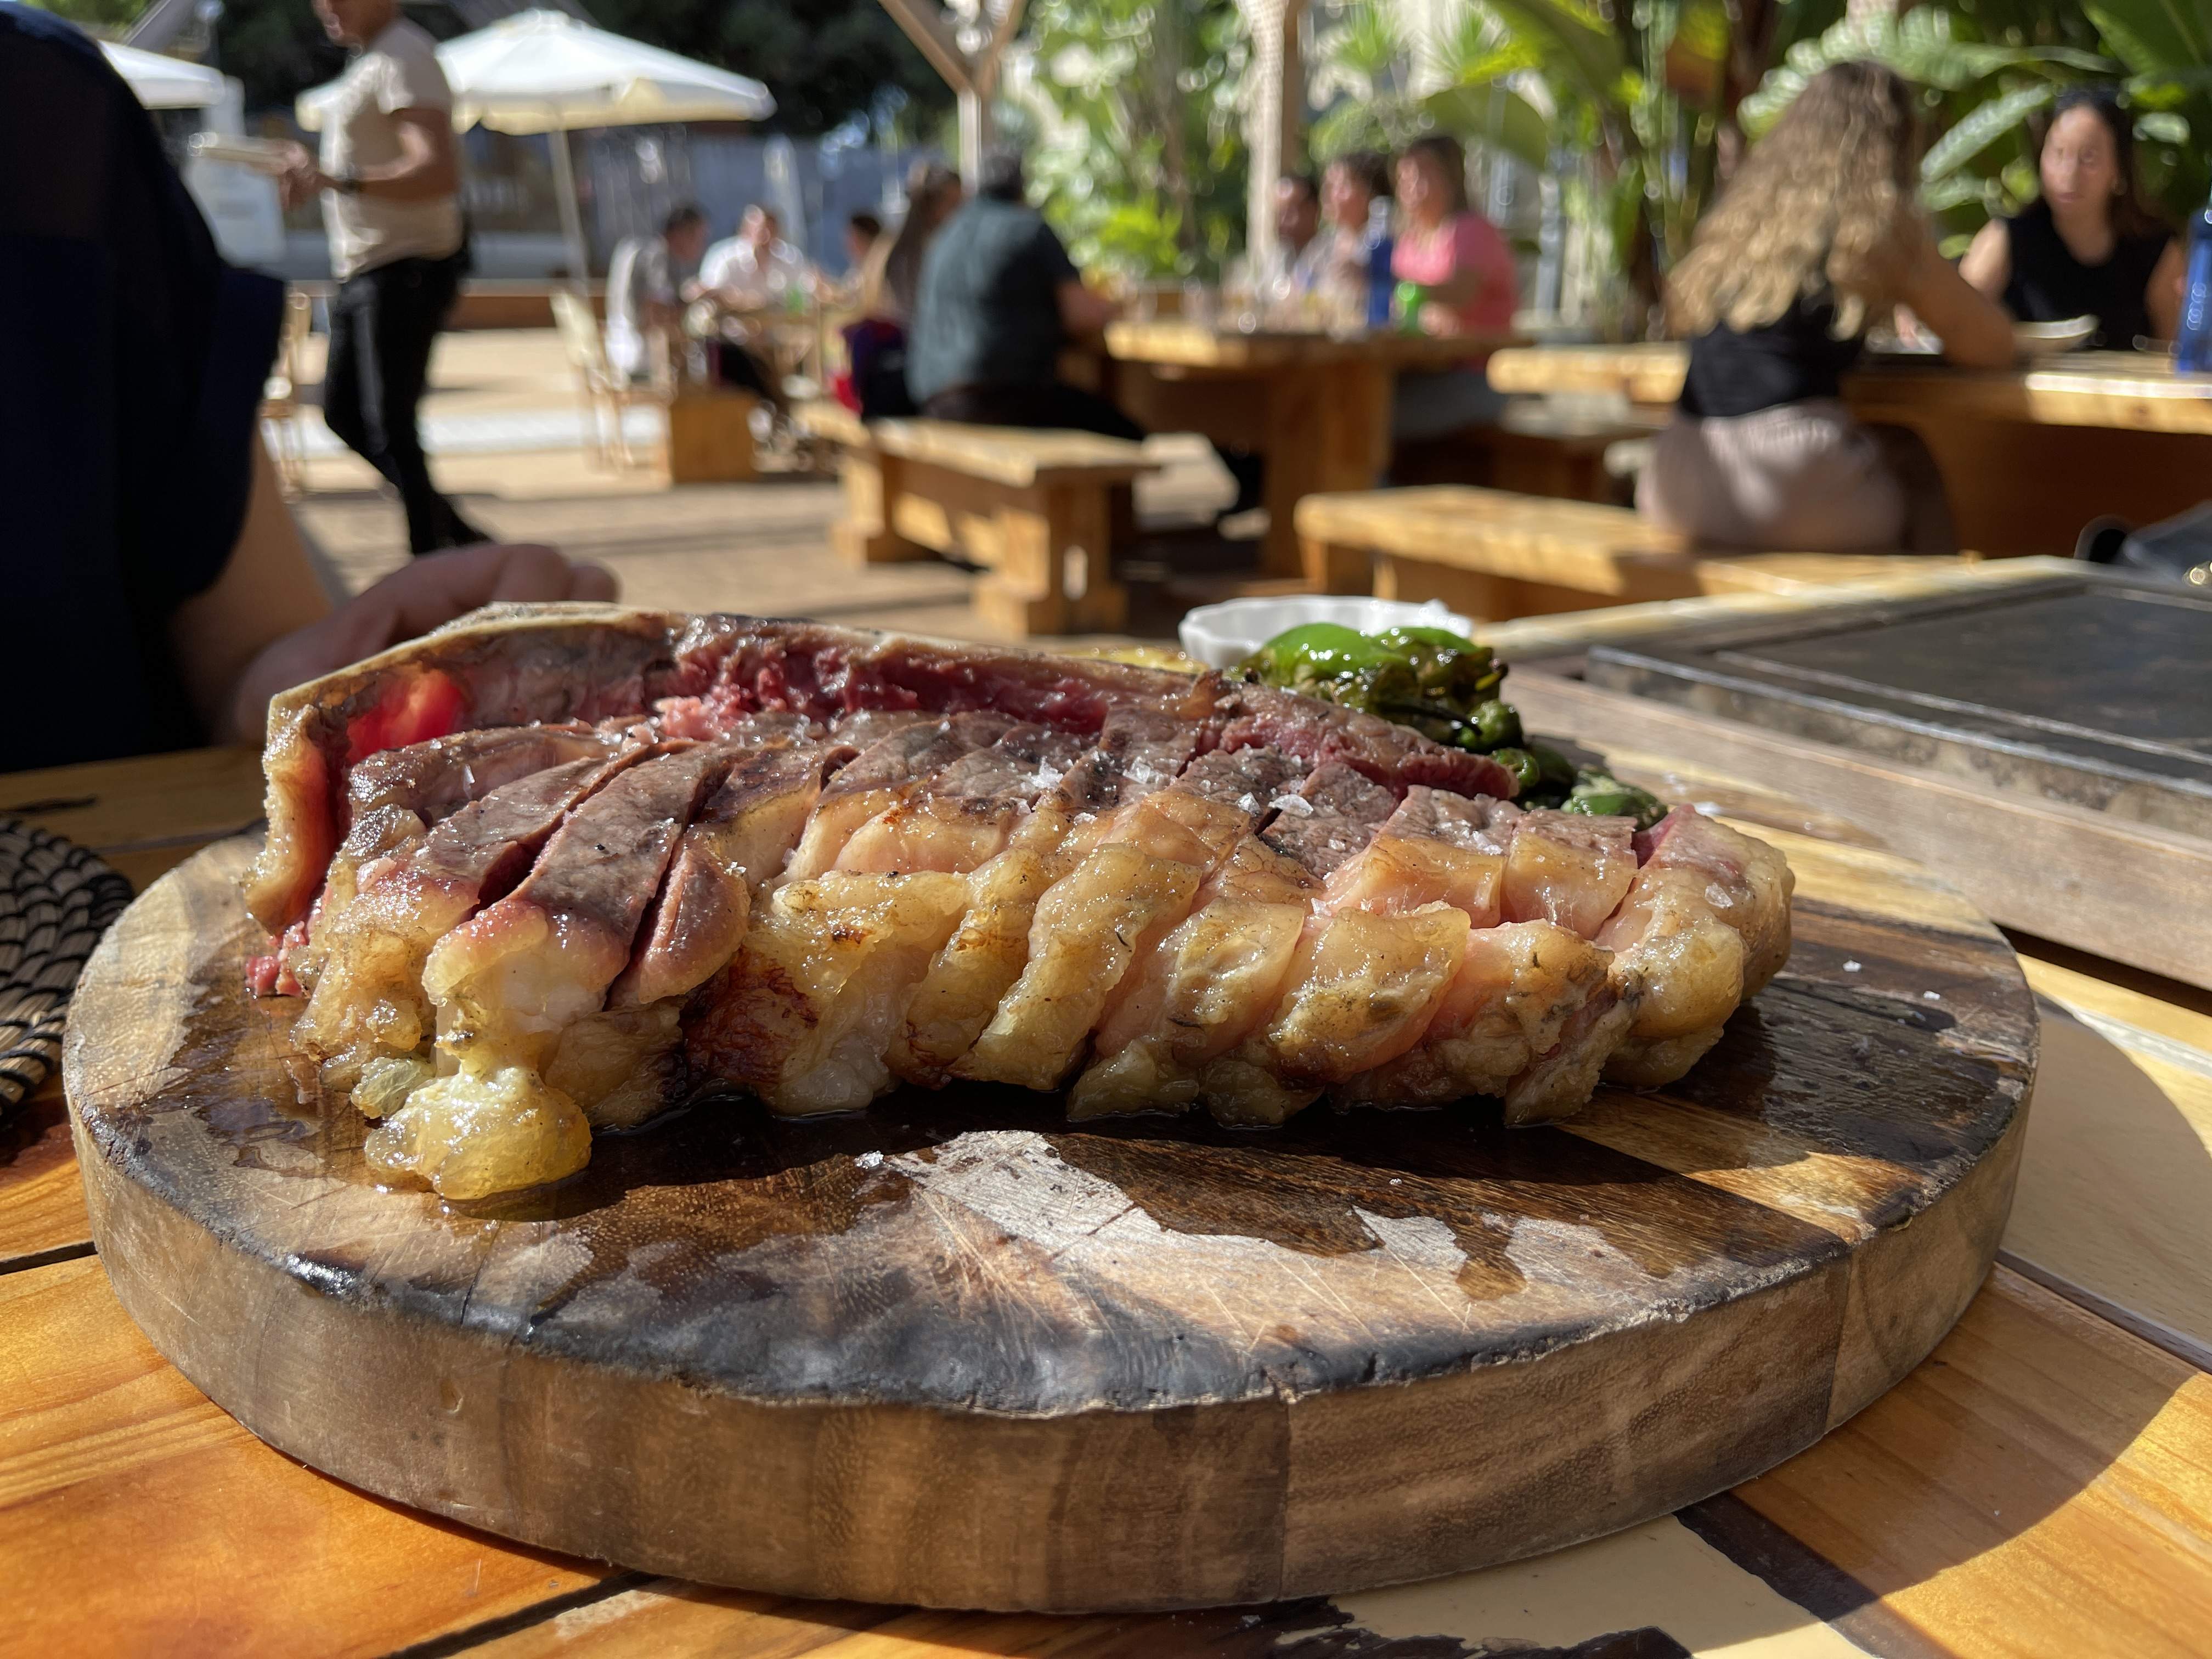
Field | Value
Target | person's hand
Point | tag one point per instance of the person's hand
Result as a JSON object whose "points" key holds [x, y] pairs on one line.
{"points": [[411, 601], [301, 180]]}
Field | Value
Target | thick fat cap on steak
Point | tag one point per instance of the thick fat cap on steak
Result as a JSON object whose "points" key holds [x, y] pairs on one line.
{"points": [[1569, 869], [883, 775], [965, 814], [1508, 1005], [369, 995], [1137, 881], [815, 998], [1139, 750], [1393, 756], [525, 665], [1705, 926], [733, 846], [520, 969], [1203, 987], [1434, 849]]}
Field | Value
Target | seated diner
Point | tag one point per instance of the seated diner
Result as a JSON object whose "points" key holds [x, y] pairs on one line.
{"points": [[1464, 280], [1817, 237], [999, 299], [2086, 246]]}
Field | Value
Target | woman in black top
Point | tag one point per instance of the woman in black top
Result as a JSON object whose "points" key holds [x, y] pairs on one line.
{"points": [[2088, 248], [1817, 237]]}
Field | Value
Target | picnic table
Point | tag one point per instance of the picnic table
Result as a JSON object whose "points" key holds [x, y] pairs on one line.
{"points": [[2042, 1485], [2028, 454], [1316, 404]]}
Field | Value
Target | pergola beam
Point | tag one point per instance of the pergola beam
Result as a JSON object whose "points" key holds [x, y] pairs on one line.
{"points": [[973, 77]]}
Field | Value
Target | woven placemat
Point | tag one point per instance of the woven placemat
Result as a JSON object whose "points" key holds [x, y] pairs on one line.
{"points": [[56, 900]]}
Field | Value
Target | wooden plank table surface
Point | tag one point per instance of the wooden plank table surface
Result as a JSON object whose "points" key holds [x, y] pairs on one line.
{"points": [[1317, 405], [2028, 454], [2041, 1485]]}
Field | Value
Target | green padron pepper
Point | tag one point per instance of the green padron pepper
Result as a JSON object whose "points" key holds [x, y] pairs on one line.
{"points": [[1601, 794], [1451, 668]]}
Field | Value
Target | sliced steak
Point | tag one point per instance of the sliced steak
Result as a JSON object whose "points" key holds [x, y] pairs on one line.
{"points": [[510, 978]]}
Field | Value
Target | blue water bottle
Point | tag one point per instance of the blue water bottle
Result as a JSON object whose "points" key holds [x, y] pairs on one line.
{"points": [[1380, 286], [2193, 351]]}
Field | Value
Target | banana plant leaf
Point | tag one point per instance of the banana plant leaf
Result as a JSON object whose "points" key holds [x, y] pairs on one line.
{"points": [[1573, 36], [2149, 35], [2001, 118], [1492, 114]]}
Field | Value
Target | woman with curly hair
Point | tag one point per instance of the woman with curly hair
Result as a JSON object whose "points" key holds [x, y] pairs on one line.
{"points": [[2086, 246], [1817, 238]]}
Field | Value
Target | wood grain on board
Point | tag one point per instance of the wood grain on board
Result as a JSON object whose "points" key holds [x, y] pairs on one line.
{"points": [[991, 1360]]}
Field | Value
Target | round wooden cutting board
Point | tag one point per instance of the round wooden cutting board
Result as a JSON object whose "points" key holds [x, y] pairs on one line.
{"points": [[955, 1351]]}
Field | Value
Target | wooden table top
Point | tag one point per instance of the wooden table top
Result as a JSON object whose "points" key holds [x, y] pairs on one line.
{"points": [[2125, 391], [1173, 342], [2041, 1485]]}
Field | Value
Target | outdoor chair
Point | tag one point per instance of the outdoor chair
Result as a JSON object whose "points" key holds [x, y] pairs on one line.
{"points": [[281, 412], [605, 395]]}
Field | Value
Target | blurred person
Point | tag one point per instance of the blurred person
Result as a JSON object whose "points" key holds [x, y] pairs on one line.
{"points": [[146, 531], [645, 301], [1818, 235], [756, 270], [1298, 227], [390, 182], [1336, 258], [874, 382], [2088, 246], [999, 299], [1463, 269], [934, 194], [862, 232]]}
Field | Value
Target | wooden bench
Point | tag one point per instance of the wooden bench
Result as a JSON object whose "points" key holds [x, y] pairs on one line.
{"points": [[1040, 512], [1537, 448], [1495, 556]]}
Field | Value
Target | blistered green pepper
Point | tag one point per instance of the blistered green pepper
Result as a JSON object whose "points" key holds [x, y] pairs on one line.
{"points": [[1527, 773], [1495, 723], [1601, 794], [1316, 650]]}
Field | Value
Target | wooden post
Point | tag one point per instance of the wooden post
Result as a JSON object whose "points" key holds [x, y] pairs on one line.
{"points": [[1273, 116], [973, 76]]}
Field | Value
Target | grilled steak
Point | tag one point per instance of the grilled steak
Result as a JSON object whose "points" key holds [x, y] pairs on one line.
{"points": [[554, 868]]}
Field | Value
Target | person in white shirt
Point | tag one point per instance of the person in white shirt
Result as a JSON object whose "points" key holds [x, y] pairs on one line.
{"points": [[390, 182], [643, 293], [756, 270]]}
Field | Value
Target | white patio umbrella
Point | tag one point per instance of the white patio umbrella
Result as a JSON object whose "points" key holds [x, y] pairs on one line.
{"points": [[165, 82], [545, 71]]}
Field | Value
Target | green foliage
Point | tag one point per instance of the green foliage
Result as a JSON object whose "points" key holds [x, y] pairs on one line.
{"points": [[823, 60], [94, 15], [1987, 67], [1138, 157], [1639, 86]]}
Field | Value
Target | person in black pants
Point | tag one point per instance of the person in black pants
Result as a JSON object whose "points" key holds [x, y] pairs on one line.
{"points": [[383, 324], [390, 185]]}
